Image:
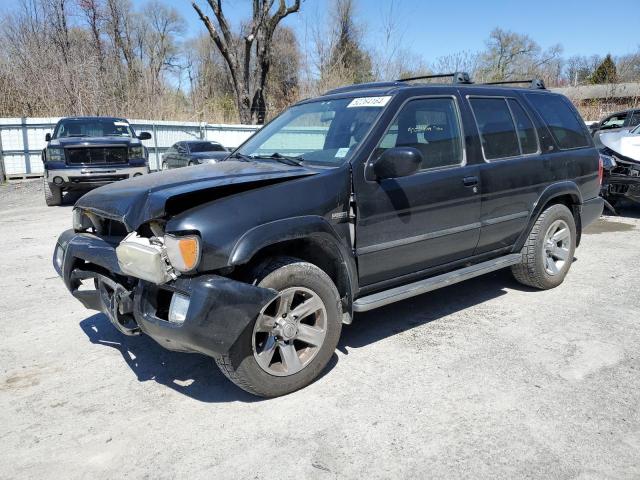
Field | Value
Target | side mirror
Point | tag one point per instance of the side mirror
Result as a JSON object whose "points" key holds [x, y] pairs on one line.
{"points": [[144, 136], [397, 162], [47, 137]]}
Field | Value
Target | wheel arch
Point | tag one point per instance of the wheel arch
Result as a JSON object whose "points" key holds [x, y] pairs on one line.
{"points": [[310, 238], [566, 193]]}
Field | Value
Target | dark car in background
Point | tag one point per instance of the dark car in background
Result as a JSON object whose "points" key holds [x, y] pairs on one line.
{"points": [[87, 152], [193, 152]]}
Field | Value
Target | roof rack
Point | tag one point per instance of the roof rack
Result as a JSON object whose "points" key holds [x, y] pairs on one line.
{"points": [[535, 83], [457, 77], [362, 86]]}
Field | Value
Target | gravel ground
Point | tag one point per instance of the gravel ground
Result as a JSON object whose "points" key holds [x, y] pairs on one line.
{"points": [[482, 379]]}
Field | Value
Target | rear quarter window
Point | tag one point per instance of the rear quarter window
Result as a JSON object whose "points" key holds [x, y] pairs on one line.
{"points": [[566, 126]]}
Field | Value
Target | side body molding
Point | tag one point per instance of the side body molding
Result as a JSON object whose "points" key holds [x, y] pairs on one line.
{"points": [[555, 190], [312, 227]]}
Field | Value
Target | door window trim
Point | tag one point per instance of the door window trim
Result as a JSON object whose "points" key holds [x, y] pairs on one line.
{"points": [[515, 126], [458, 114]]}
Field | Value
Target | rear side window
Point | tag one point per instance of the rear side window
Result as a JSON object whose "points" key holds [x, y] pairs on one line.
{"points": [[567, 128], [526, 131], [497, 130]]}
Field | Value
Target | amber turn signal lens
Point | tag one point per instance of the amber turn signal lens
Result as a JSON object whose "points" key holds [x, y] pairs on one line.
{"points": [[183, 252], [189, 252]]}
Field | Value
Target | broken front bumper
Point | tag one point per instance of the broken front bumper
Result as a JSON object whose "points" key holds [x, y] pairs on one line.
{"points": [[219, 308]]}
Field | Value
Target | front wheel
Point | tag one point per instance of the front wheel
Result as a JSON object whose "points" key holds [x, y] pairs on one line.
{"points": [[52, 194], [293, 337], [548, 251]]}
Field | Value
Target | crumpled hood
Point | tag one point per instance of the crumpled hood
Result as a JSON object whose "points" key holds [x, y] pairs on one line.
{"points": [[93, 141], [140, 199], [624, 143]]}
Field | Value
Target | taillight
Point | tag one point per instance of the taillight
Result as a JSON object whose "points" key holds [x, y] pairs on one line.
{"points": [[600, 169]]}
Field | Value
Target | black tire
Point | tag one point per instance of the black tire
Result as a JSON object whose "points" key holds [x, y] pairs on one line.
{"points": [[52, 194], [240, 365], [165, 166], [532, 271]]}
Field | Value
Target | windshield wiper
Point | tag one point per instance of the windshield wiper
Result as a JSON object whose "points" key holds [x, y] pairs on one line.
{"points": [[297, 161], [240, 156]]}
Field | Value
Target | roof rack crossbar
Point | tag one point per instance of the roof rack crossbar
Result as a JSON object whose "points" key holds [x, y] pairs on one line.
{"points": [[458, 77], [535, 83]]}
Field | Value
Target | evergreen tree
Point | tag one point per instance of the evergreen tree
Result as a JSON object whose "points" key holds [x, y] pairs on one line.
{"points": [[605, 72]]}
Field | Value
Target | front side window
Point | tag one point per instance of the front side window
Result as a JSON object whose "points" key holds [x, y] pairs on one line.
{"points": [[567, 128], [430, 125], [497, 130], [321, 132], [92, 127]]}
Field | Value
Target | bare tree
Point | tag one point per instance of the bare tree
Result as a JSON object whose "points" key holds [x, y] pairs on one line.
{"points": [[511, 55], [249, 58]]}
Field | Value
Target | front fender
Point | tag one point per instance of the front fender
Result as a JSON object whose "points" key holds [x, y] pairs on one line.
{"points": [[310, 227]]}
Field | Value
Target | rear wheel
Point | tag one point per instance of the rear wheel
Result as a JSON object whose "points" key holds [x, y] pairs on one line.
{"points": [[165, 166], [52, 194], [548, 252], [293, 337]]}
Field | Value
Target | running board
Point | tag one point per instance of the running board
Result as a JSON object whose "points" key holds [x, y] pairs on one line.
{"points": [[396, 294]]}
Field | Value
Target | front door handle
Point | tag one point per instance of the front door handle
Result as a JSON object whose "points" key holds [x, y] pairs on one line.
{"points": [[470, 181]]}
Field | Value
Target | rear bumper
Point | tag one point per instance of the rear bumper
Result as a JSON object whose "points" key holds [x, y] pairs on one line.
{"points": [[89, 177], [219, 308], [591, 210]]}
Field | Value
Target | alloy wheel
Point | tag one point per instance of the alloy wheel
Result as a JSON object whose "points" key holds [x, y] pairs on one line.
{"points": [[556, 247], [289, 331]]}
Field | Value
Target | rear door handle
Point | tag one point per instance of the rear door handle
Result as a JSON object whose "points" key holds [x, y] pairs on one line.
{"points": [[470, 181]]}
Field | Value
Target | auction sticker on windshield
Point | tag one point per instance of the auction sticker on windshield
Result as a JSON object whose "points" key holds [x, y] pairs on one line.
{"points": [[369, 102]]}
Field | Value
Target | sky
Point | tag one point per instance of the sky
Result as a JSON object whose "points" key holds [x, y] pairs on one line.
{"points": [[432, 29]]}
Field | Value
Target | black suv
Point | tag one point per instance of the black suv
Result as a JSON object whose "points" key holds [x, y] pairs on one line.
{"points": [[367, 195], [87, 152]]}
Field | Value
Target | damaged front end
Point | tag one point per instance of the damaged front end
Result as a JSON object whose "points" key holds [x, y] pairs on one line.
{"points": [[621, 177], [133, 282]]}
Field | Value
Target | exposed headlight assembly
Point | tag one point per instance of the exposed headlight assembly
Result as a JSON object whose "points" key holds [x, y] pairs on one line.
{"points": [[183, 252], [81, 222], [142, 258]]}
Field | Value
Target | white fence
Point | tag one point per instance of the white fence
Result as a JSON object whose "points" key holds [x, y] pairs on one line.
{"points": [[22, 140]]}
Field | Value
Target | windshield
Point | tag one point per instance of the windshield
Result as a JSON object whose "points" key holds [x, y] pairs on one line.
{"points": [[206, 147], [92, 127], [322, 132]]}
